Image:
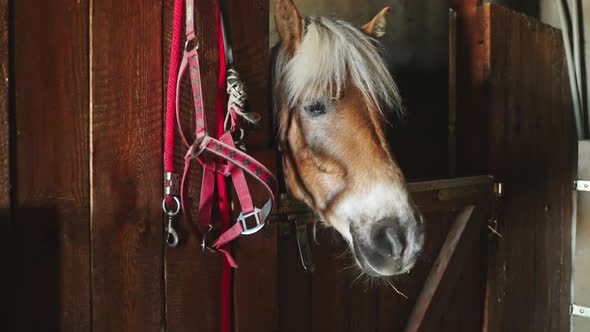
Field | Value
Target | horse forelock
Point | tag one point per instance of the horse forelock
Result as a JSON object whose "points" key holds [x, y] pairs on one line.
{"points": [[332, 54]]}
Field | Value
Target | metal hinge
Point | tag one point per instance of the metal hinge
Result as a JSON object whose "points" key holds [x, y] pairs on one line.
{"points": [[582, 185], [578, 310]]}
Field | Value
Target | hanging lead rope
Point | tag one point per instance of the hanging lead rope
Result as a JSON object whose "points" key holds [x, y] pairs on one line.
{"points": [[222, 188], [171, 203]]}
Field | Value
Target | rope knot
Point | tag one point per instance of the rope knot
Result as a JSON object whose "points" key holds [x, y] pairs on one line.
{"points": [[236, 91]]}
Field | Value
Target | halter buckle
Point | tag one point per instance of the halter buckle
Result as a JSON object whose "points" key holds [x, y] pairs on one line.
{"points": [[192, 44], [243, 219]]}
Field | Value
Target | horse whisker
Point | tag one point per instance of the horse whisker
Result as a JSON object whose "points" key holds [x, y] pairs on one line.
{"points": [[357, 278], [395, 289]]}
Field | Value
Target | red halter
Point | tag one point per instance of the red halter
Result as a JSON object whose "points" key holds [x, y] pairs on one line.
{"points": [[224, 158]]}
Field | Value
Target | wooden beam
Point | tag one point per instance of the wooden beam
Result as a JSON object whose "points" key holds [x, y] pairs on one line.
{"points": [[433, 298]]}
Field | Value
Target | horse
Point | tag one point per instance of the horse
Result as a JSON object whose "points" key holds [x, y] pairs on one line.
{"points": [[332, 93]]}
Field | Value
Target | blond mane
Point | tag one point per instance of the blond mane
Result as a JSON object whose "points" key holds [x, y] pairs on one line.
{"points": [[332, 54]]}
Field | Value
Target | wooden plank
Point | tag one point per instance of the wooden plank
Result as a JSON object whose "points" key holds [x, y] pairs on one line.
{"points": [[126, 165], [7, 280], [452, 143], [393, 308], [192, 277], [439, 269], [249, 24], [294, 293], [363, 306], [4, 108], [472, 55], [50, 151], [521, 131], [256, 280], [330, 290], [434, 297]]}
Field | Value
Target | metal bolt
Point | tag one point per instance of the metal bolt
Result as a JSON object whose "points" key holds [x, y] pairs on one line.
{"points": [[581, 311]]}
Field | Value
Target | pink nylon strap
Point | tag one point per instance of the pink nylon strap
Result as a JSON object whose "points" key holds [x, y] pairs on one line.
{"points": [[190, 24], [236, 161]]}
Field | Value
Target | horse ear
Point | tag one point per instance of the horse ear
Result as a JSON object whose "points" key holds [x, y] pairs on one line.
{"points": [[288, 23], [376, 27]]}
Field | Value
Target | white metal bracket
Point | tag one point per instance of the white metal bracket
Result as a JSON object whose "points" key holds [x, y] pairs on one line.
{"points": [[578, 310], [582, 185]]}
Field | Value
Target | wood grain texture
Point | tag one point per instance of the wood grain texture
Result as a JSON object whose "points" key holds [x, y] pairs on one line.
{"points": [[192, 277], [255, 281], [524, 129], [330, 291], [294, 293], [6, 279], [126, 166], [472, 52], [531, 126], [4, 107], [50, 147]]}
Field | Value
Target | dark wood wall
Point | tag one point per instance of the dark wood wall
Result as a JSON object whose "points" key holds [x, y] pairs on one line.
{"points": [[81, 169]]}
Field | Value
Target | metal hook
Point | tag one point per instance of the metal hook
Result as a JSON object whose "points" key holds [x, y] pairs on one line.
{"points": [[304, 246], [171, 235], [204, 238]]}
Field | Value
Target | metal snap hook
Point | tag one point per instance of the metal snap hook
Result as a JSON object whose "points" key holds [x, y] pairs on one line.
{"points": [[171, 234], [171, 237], [168, 211]]}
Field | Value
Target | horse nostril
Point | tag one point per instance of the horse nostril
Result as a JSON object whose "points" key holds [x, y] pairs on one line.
{"points": [[388, 239]]}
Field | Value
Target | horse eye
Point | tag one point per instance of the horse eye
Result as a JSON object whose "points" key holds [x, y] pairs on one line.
{"points": [[316, 109]]}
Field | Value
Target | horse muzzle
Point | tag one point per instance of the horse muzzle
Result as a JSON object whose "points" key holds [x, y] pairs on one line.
{"points": [[388, 246]]}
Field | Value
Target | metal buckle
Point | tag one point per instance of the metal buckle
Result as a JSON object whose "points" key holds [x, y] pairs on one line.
{"points": [[191, 44], [192, 152], [243, 217]]}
